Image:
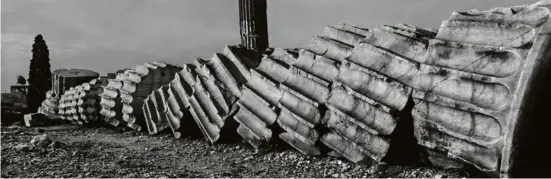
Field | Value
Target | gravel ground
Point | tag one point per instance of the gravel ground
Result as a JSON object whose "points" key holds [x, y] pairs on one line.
{"points": [[107, 152]]}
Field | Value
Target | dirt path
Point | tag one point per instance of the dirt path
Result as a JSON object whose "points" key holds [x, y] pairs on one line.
{"points": [[105, 152]]}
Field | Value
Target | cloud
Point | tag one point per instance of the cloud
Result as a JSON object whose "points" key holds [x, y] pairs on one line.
{"points": [[15, 42], [91, 34], [68, 50]]}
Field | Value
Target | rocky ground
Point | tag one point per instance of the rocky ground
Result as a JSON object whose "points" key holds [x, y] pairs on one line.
{"points": [[74, 151]]}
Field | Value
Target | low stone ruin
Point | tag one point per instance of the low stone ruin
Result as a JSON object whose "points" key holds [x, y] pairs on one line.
{"points": [[63, 79]]}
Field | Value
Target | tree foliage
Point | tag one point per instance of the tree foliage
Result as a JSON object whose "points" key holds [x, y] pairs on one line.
{"points": [[39, 74], [21, 80]]}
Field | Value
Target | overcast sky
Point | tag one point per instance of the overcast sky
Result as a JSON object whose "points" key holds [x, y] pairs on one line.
{"points": [[106, 35]]}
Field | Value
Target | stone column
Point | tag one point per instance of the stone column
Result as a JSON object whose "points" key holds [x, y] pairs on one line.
{"points": [[253, 24]]}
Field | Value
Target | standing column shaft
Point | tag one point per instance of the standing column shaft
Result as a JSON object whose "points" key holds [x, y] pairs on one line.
{"points": [[253, 24]]}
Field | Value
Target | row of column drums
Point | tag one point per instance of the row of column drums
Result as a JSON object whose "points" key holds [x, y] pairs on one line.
{"points": [[345, 92]]}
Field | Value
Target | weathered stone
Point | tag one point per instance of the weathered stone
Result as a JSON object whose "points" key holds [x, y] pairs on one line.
{"points": [[353, 29], [36, 119], [477, 119], [284, 55], [239, 63], [482, 157], [486, 33], [41, 140], [258, 106], [208, 83], [223, 74], [23, 147], [473, 126], [206, 103], [207, 90], [122, 97], [409, 47], [275, 69], [56, 144], [157, 107], [304, 146], [249, 136], [245, 117], [329, 48], [210, 130], [264, 87], [410, 31], [174, 122], [320, 67], [486, 95], [485, 60], [375, 86], [300, 127], [80, 104], [361, 110], [307, 87], [529, 15], [343, 36], [345, 148], [63, 79], [306, 109]]}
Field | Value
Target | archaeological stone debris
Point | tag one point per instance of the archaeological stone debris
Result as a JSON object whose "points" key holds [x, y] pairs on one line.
{"points": [[129, 99], [63, 79], [62, 101], [464, 86], [80, 104]]}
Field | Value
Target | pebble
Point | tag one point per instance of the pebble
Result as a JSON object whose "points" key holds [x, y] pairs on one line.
{"points": [[41, 140], [337, 175], [23, 147], [293, 157], [248, 158], [56, 144], [35, 160], [152, 149]]}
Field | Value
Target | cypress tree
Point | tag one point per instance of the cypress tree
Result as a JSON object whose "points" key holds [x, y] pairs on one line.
{"points": [[39, 74]]}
